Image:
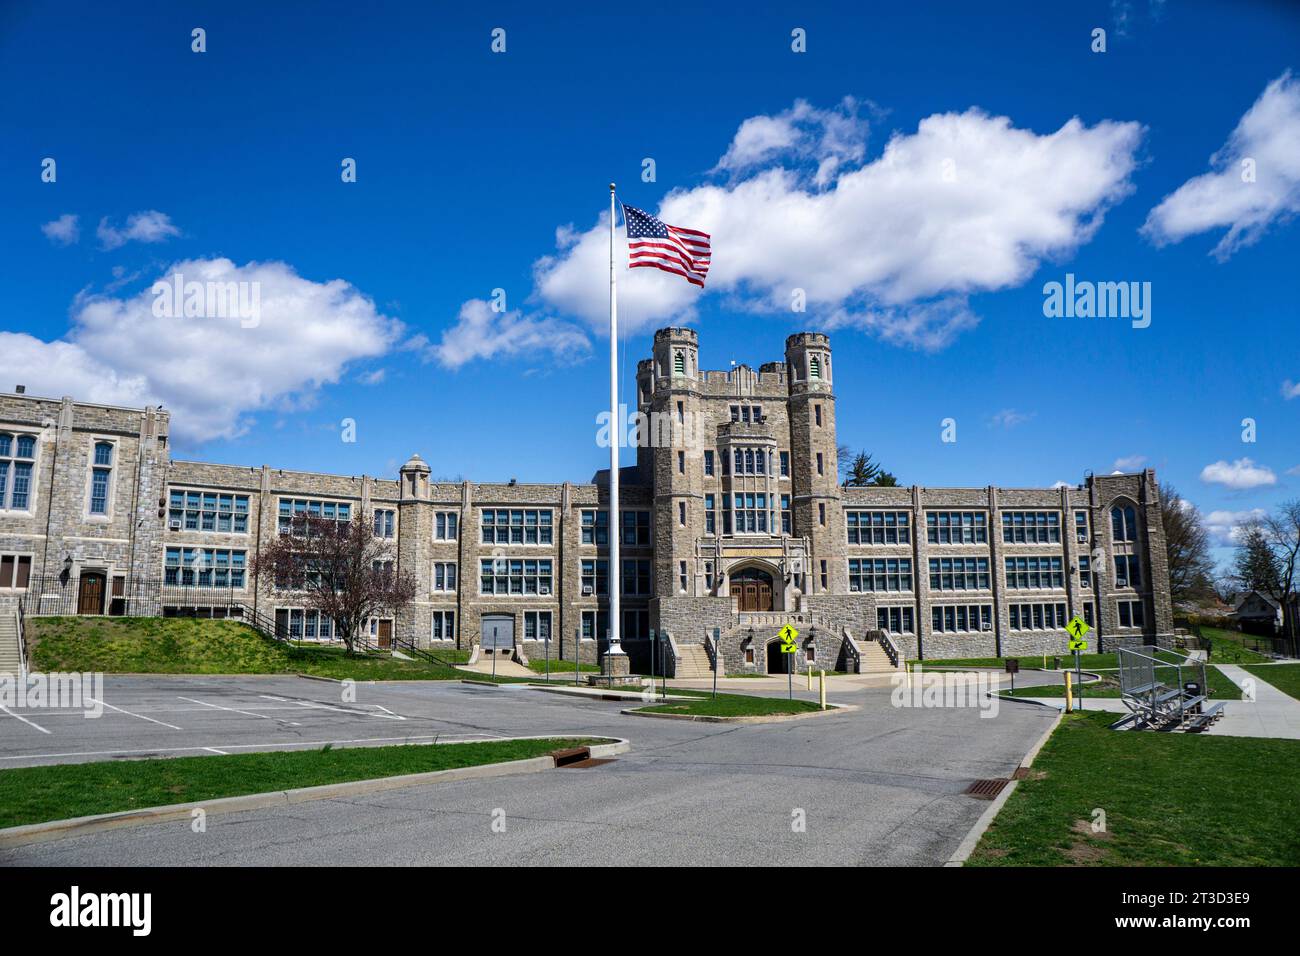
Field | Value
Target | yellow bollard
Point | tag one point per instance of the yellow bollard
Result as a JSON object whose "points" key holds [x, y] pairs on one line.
{"points": [[1069, 693], [810, 678], [1044, 662], [822, 681]]}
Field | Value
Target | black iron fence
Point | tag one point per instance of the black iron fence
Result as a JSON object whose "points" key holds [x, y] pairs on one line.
{"points": [[123, 596]]}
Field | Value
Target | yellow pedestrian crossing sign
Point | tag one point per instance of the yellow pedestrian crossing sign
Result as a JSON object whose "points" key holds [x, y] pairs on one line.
{"points": [[1078, 628], [788, 635]]}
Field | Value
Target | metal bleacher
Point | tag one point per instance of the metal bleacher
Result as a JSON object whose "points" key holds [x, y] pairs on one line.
{"points": [[1164, 690]]}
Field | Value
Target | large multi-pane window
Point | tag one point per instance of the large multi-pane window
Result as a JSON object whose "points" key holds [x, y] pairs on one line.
{"points": [[750, 461], [15, 571], [1131, 614], [517, 526], [959, 574], [956, 527], [786, 522], [785, 464], [880, 574], [1123, 523], [444, 575], [17, 459], [537, 625], [595, 624], [636, 528], [1031, 527], [595, 576], [514, 576], [595, 527], [444, 525], [1081, 527], [443, 627], [204, 567], [1035, 572], [749, 512], [207, 511], [636, 577], [961, 618], [1085, 571], [303, 624], [291, 509], [879, 527], [1036, 617], [896, 620], [100, 477], [747, 413], [710, 514], [385, 522], [708, 462], [1128, 571]]}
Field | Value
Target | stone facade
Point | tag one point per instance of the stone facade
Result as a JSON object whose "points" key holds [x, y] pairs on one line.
{"points": [[733, 521]]}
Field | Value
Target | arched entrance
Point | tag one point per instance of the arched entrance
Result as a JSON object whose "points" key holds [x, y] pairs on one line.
{"points": [[751, 589], [778, 663]]}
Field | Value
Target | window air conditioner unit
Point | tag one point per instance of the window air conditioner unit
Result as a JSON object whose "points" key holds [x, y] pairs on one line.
{"points": [[986, 627], [175, 526], [543, 589], [586, 590], [1083, 537]]}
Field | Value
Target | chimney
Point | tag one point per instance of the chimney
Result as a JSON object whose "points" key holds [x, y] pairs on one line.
{"points": [[20, 389]]}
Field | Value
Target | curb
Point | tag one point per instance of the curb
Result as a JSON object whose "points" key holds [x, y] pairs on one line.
{"points": [[972, 839], [80, 826], [768, 719]]}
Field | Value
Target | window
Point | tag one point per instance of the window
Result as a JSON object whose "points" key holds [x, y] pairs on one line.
{"points": [[880, 574], [878, 527], [819, 463], [747, 413], [1087, 614], [682, 577], [959, 574], [636, 577], [1031, 527], [444, 576], [537, 625], [1036, 617], [751, 461], [207, 511], [749, 512], [681, 463], [708, 462], [817, 414], [1131, 614], [17, 459], [786, 524], [1123, 523], [444, 525], [1035, 572], [956, 527], [516, 526], [595, 624], [595, 528], [15, 571], [785, 464], [961, 618], [303, 624], [679, 363], [814, 367], [385, 519], [443, 626], [636, 528], [896, 620], [1085, 571], [514, 576], [291, 508], [100, 476], [204, 567], [710, 518], [824, 576], [382, 568], [1081, 527], [1128, 571], [681, 513], [821, 513], [595, 578]]}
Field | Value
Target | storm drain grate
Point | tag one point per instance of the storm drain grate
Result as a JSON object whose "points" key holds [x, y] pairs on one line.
{"points": [[589, 762], [985, 789]]}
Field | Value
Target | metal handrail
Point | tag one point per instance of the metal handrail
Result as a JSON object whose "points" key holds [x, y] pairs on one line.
{"points": [[22, 649]]}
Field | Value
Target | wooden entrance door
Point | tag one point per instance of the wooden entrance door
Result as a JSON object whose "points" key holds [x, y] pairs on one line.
{"points": [[90, 593], [752, 590], [385, 634]]}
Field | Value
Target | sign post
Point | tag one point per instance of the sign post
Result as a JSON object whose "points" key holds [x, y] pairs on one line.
{"points": [[717, 658], [1013, 668], [1078, 629], [788, 635], [654, 651]]}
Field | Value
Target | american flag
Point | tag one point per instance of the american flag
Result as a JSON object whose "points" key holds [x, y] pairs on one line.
{"points": [[656, 245]]}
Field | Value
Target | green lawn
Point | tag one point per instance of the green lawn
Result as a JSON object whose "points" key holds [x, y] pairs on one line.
{"points": [[38, 794], [182, 645], [1285, 677], [538, 665], [1228, 647], [1169, 800], [1223, 688], [731, 705]]}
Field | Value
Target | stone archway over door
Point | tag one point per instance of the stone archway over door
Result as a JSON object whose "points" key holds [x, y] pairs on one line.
{"points": [[751, 588]]}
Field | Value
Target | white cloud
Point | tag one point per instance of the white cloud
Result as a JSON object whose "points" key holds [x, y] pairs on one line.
{"points": [[481, 333], [1129, 463], [803, 133], [1242, 473], [149, 226], [1269, 136], [374, 377], [1225, 526], [64, 230], [1290, 389], [1010, 418], [1062, 484], [210, 372]]}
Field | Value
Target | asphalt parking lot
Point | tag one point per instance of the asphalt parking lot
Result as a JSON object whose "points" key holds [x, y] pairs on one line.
{"points": [[880, 784]]}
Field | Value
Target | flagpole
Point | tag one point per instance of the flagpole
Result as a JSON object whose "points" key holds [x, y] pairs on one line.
{"points": [[614, 576]]}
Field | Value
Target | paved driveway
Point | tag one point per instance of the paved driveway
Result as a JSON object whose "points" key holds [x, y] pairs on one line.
{"points": [[879, 785]]}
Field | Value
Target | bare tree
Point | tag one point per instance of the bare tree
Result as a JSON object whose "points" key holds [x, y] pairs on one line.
{"points": [[341, 568], [1187, 544], [1268, 561]]}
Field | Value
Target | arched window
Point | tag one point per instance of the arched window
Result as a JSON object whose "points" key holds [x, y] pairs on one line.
{"points": [[814, 367], [1123, 523], [17, 459]]}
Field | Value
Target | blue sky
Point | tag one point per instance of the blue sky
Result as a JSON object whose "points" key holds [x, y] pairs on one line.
{"points": [[469, 161]]}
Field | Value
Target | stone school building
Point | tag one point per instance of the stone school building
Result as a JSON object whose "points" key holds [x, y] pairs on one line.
{"points": [[733, 522]]}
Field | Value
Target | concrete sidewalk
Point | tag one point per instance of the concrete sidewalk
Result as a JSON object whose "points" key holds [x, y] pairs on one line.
{"points": [[1271, 713]]}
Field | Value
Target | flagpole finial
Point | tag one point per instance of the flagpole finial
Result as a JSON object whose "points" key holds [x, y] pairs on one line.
{"points": [[611, 187]]}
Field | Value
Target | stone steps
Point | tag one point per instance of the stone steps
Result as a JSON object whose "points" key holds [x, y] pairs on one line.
{"points": [[874, 660], [10, 658], [693, 662]]}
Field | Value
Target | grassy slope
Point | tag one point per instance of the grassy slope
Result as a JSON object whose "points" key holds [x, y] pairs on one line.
{"points": [[1285, 677], [1169, 799], [38, 794], [154, 645], [1225, 651]]}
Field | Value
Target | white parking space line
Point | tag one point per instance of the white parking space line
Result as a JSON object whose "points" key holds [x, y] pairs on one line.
{"points": [[224, 749], [30, 723], [130, 714], [317, 705], [234, 710]]}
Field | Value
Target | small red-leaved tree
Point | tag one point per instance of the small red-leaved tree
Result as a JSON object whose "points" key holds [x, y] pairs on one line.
{"points": [[343, 571]]}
